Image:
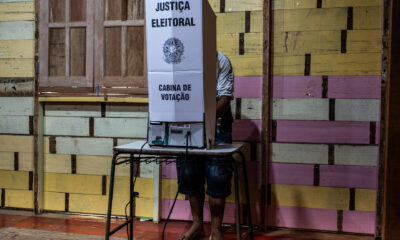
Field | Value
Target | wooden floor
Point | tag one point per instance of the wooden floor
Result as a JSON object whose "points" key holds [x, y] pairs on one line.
{"points": [[20, 225]]}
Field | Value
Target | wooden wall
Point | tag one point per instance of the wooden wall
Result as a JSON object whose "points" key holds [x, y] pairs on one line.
{"points": [[326, 91]]}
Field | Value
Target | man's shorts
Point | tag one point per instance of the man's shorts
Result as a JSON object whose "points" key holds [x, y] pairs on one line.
{"points": [[217, 172]]}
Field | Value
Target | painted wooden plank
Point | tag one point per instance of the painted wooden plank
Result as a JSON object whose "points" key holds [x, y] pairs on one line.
{"points": [[19, 199], [215, 5], [25, 161], [297, 87], [128, 111], [346, 64], [15, 16], [7, 161], [350, 3], [84, 146], [357, 110], [57, 163], [288, 66], [144, 207], [306, 42], [16, 87], [16, 106], [124, 141], [247, 65], [169, 187], [14, 179], [10, 143], [120, 127], [303, 218], [364, 41], [377, 133], [253, 43], [17, 68], [256, 21], [54, 201], [356, 155], [359, 222], [169, 171], [144, 186], [238, 5], [17, 48], [300, 109], [17, 30], [251, 151], [68, 126], [354, 87], [246, 130], [299, 153], [72, 183], [293, 4], [95, 204], [4, 1], [322, 19], [85, 163], [347, 176], [323, 132], [310, 197], [367, 17], [365, 200], [248, 87], [228, 43], [251, 108], [14, 124], [230, 22], [291, 174], [73, 110]]}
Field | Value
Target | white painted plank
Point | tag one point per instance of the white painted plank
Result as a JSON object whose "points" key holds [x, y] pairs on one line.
{"points": [[128, 140], [251, 108], [147, 170], [120, 127], [14, 124], [73, 110], [17, 30], [357, 110], [67, 126], [356, 155], [300, 153], [300, 109], [57, 163], [16, 106], [84, 146], [127, 111]]}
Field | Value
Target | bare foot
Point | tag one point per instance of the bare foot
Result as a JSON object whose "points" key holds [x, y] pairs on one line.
{"points": [[216, 234], [195, 231]]}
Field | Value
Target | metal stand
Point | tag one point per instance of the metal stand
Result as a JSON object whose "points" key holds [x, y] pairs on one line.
{"points": [[167, 158]]}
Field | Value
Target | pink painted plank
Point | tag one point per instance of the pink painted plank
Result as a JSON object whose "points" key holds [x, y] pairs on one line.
{"points": [[304, 218], [354, 87], [323, 132], [169, 171], [297, 87], [291, 174], [359, 222], [248, 87], [347, 176], [246, 130]]}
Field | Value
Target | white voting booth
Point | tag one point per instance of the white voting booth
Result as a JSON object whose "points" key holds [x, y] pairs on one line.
{"points": [[181, 65]]}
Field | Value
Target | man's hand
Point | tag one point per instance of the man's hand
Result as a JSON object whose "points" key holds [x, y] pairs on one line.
{"points": [[223, 105]]}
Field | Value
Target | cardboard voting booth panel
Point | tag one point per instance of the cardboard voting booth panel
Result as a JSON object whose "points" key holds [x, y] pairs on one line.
{"points": [[181, 68]]}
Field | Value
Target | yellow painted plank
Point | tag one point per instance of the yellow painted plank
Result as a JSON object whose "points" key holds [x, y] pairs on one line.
{"points": [[144, 207], [350, 3], [288, 65], [54, 201], [228, 44], [293, 4], [301, 43], [240, 5], [256, 21], [215, 5], [364, 41], [250, 65], [25, 161], [14, 179], [6, 160], [367, 17], [253, 43], [57, 163], [17, 48], [322, 19], [72, 183], [10, 16], [85, 163], [310, 196], [19, 199], [96, 204], [17, 68], [95, 99], [10, 143], [169, 188], [17, 7], [144, 186], [231, 22], [365, 200], [346, 64]]}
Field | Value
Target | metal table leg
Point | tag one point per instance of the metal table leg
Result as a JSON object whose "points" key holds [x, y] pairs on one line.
{"points": [[110, 195], [131, 196], [237, 199], [246, 189]]}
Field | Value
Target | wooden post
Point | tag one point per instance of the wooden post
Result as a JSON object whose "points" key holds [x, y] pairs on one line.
{"points": [[266, 108]]}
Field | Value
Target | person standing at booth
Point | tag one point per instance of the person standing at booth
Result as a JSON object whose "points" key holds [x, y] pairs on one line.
{"points": [[217, 172]]}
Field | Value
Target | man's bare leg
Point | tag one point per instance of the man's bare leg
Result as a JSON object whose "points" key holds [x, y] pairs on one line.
{"points": [[196, 230], [217, 206]]}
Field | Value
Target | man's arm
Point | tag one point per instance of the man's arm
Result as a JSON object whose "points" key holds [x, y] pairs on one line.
{"points": [[223, 105]]}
